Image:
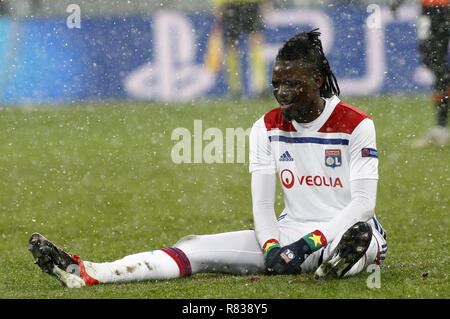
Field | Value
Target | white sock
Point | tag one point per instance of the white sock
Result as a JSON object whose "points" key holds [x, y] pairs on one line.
{"points": [[156, 264]]}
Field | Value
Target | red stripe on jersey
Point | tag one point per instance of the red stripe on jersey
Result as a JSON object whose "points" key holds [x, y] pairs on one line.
{"points": [[344, 119], [274, 120]]}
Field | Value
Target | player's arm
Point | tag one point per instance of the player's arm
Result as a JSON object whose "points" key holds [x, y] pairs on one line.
{"points": [[264, 217], [364, 181], [360, 208], [263, 187]]}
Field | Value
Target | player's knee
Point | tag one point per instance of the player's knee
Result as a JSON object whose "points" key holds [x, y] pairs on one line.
{"points": [[186, 241]]}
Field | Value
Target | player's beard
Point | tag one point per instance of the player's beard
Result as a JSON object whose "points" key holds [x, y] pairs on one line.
{"points": [[297, 113], [290, 115]]}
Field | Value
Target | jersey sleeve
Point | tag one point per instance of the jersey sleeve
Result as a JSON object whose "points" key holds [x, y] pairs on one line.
{"points": [[260, 156], [363, 152], [263, 199], [360, 208]]}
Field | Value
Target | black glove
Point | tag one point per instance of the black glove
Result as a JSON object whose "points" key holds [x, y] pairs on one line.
{"points": [[287, 259]]}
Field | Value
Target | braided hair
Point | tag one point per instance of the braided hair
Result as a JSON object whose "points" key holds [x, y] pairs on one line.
{"points": [[306, 46]]}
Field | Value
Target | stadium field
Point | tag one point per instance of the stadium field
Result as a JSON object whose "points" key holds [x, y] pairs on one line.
{"points": [[98, 179]]}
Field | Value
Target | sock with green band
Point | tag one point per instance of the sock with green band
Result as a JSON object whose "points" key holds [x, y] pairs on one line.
{"points": [[270, 244]]}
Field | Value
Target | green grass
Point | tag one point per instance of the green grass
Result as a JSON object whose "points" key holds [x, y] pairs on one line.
{"points": [[98, 179]]}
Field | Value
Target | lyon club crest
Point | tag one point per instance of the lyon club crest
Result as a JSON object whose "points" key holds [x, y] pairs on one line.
{"points": [[333, 158]]}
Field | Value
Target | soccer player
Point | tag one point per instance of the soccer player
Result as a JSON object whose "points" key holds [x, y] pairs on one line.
{"points": [[324, 153], [433, 32], [240, 18]]}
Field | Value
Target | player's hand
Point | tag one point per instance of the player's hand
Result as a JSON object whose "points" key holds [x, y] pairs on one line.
{"points": [[275, 265], [272, 257], [287, 259]]}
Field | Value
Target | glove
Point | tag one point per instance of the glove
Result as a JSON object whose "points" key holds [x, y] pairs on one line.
{"points": [[273, 262], [288, 259], [272, 258], [271, 249]]}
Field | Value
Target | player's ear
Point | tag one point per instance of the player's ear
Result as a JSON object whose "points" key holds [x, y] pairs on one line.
{"points": [[318, 80]]}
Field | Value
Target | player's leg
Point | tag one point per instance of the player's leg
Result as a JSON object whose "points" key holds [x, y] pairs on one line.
{"points": [[234, 252], [233, 69], [441, 33], [258, 69], [433, 35], [349, 253], [232, 31], [436, 54], [253, 27], [374, 255], [231, 252]]}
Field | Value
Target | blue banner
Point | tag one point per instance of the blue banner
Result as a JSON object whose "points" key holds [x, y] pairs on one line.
{"points": [[161, 57]]}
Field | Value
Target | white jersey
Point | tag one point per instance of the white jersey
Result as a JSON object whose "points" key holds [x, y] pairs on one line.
{"points": [[315, 161]]}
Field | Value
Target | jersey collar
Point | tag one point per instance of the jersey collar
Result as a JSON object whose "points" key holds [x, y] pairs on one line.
{"points": [[330, 104]]}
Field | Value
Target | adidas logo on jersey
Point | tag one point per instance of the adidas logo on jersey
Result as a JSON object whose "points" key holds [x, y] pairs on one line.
{"points": [[286, 157]]}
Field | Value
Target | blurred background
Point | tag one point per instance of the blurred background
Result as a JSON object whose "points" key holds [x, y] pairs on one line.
{"points": [[172, 50]]}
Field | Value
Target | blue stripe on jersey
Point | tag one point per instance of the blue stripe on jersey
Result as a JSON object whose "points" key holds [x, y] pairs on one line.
{"points": [[281, 217], [313, 140]]}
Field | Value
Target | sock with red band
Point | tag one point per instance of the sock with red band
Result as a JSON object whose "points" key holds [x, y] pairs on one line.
{"points": [[88, 280], [167, 263], [180, 258]]}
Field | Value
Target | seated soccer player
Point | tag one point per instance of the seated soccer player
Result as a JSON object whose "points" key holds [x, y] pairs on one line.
{"points": [[324, 153]]}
